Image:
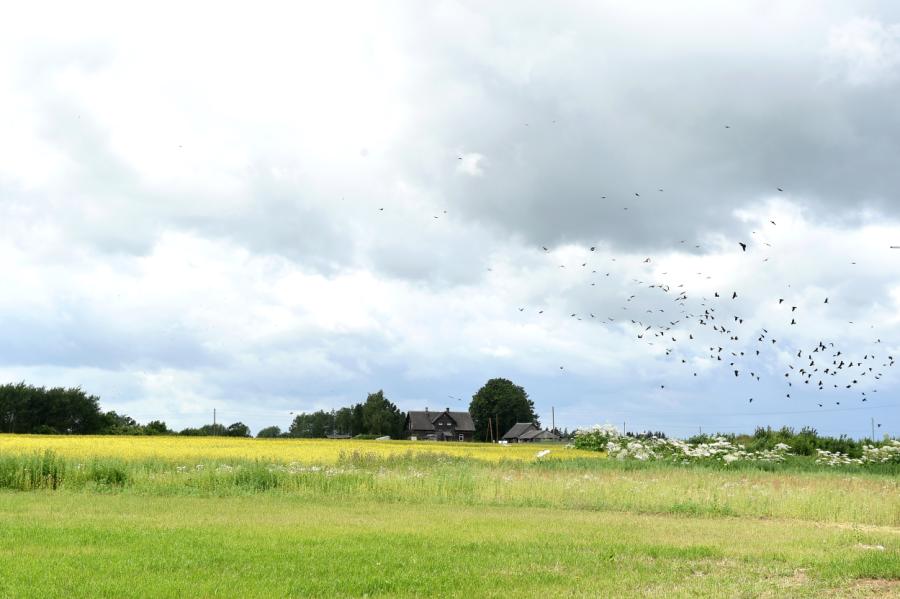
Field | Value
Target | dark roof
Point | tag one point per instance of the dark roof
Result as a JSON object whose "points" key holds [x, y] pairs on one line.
{"points": [[519, 429], [538, 434], [424, 420]]}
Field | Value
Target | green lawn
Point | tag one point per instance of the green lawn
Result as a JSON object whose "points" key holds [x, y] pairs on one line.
{"points": [[435, 526], [77, 544]]}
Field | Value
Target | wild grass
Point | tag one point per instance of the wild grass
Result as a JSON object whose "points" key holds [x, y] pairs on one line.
{"points": [[355, 522], [431, 478]]}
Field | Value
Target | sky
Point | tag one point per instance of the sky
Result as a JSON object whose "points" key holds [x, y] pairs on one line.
{"points": [[283, 207]]}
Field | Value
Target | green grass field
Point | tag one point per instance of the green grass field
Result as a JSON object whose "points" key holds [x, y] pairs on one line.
{"points": [[425, 524]]}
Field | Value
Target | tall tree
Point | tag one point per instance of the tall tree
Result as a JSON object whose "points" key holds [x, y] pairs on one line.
{"points": [[25, 409], [381, 417], [311, 426], [503, 400]]}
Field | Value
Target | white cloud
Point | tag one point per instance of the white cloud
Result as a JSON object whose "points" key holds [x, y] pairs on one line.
{"points": [[865, 51], [470, 164], [279, 208]]}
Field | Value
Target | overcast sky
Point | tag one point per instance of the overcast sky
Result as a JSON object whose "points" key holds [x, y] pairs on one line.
{"points": [[280, 208]]}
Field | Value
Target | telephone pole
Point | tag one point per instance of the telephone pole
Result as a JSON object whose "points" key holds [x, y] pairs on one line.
{"points": [[873, 429]]}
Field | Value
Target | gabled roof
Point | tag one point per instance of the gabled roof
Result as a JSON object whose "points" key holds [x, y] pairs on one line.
{"points": [[519, 429], [424, 420], [538, 434]]}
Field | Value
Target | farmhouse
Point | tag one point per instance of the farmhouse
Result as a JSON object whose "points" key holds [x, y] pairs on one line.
{"points": [[440, 426], [526, 432]]}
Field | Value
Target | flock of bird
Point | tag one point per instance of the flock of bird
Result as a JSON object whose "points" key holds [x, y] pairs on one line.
{"points": [[691, 328]]}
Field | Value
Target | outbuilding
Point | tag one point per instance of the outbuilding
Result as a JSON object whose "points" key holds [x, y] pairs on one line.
{"points": [[527, 432]]}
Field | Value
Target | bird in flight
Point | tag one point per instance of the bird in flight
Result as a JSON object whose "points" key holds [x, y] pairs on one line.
{"points": [[743, 245]]}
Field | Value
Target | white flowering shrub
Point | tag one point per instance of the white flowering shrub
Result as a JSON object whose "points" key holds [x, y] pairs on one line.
{"points": [[595, 438], [719, 450], [889, 453]]}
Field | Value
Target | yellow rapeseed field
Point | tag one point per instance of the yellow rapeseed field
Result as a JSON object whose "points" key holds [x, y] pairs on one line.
{"points": [[310, 451]]}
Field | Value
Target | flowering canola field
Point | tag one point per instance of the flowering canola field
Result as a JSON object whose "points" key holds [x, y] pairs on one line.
{"points": [[310, 451]]}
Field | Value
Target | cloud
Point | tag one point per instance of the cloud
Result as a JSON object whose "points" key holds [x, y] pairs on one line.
{"points": [[866, 51], [347, 198], [470, 164]]}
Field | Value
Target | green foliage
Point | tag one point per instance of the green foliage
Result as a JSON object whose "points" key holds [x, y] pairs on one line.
{"points": [[238, 429], [596, 438], [58, 411], [157, 427], [805, 442], [374, 418], [381, 417], [28, 409], [115, 424], [314, 425], [269, 432], [501, 399]]}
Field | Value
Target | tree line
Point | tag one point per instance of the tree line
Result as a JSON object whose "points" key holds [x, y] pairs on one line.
{"points": [[26, 409], [376, 417]]}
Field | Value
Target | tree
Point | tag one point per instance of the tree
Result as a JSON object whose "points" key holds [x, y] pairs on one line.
{"points": [[270, 432], [157, 427], [207, 430], [238, 429], [343, 421], [311, 426], [116, 424], [25, 409], [503, 400], [381, 417]]}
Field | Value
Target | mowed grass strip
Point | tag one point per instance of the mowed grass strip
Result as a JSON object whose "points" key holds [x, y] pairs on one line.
{"points": [[78, 544]]}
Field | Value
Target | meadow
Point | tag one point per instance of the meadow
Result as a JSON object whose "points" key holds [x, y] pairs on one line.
{"points": [[171, 517]]}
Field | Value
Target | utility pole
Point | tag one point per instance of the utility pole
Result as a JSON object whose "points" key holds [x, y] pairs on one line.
{"points": [[214, 422], [873, 429], [553, 417], [624, 432]]}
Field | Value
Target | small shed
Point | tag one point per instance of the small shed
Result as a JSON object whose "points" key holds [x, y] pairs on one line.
{"points": [[527, 432]]}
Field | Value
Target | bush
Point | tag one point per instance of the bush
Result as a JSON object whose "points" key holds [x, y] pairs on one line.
{"points": [[270, 432], [108, 473], [596, 438]]}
